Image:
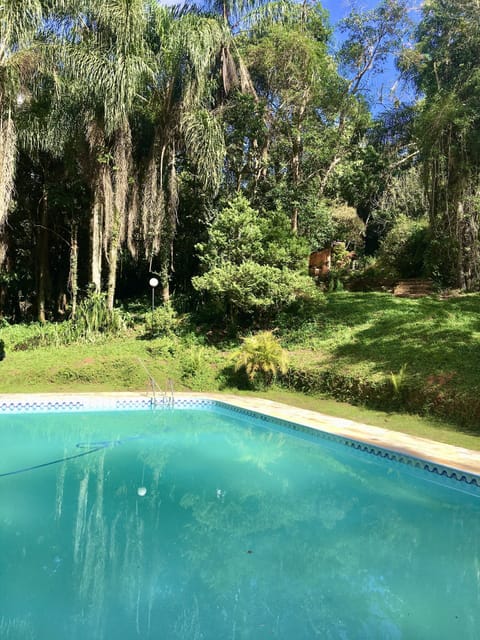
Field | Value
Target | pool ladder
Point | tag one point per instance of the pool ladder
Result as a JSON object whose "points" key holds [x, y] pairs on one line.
{"points": [[169, 395], [163, 398]]}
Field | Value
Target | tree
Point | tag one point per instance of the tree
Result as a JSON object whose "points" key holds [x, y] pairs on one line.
{"points": [[250, 270], [19, 23], [372, 37], [444, 66], [297, 79], [183, 125]]}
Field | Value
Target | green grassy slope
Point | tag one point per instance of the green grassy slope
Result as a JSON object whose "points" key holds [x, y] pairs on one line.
{"points": [[360, 338], [375, 334]]}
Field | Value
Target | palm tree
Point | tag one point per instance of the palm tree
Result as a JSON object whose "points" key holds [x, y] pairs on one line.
{"points": [[187, 110], [105, 53], [261, 355], [19, 22], [183, 124]]}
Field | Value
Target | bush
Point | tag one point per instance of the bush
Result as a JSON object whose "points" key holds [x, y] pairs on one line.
{"points": [[251, 288], [261, 356], [404, 248], [94, 316], [163, 347], [93, 321], [163, 321], [344, 387], [370, 276], [234, 234], [249, 261], [193, 361]]}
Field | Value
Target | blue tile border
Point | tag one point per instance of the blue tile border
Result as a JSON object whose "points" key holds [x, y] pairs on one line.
{"points": [[98, 404], [112, 404]]}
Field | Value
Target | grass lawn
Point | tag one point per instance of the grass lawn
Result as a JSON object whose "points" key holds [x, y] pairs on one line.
{"points": [[368, 336], [374, 334]]}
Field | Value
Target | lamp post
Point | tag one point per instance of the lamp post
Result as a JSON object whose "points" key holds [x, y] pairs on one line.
{"points": [[153, 282]]}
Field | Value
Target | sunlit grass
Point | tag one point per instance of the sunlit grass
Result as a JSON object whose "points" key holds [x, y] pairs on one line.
{"points": [[367, 336]]}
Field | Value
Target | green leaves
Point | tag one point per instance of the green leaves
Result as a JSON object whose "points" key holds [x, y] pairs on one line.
{"points": [[203, 136], [250, 287], [235, 236], [262, 356], [445, 68], [248, 259]]}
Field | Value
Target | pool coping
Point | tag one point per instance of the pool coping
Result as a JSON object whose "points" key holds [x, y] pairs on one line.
{"points": [[372, 439]]}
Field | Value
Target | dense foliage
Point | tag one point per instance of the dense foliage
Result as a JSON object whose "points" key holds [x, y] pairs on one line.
{"points": [[217, 147]]}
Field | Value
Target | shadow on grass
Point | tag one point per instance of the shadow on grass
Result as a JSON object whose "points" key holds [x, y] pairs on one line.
{"points": [[430, 336], [437, 340]]}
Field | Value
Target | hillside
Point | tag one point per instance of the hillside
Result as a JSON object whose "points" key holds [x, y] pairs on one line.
{"points": [[390, 354]]}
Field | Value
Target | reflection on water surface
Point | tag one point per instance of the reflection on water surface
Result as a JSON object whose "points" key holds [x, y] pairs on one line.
{"points": [[200, 525]]}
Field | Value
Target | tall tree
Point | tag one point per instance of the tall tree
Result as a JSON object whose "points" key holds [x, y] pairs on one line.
{"points": [[300, 85], [19, 23], [105, 49], [445, 66], [184, 128]]}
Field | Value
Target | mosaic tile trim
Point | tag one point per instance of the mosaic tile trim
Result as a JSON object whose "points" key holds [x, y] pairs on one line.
{"points": [[164, 403], [99, 404], [46, 405], [393, 456]]}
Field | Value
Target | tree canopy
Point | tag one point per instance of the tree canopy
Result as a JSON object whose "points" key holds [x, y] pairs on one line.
{"points": [[215, 145]]}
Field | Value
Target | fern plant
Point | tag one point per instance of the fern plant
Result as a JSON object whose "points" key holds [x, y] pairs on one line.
{"points": [[262, 356], [94, 317], [398, 380]]}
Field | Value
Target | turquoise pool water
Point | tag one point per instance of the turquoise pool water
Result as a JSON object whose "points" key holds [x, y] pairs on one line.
{"points": [[208, 525]]}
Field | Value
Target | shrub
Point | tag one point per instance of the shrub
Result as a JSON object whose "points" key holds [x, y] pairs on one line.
{"points": [[251, 288], [234, 234], [94, 320], [405, 247], [193, 361], [249, 261], [94, 316], [261, 356], [370, 276], [163, 347], [163, 321]]}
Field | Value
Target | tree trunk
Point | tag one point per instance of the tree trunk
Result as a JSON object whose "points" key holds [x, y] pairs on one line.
{"points": [[8, 152], [3, 268], [296, 161], [171, 225], [460, 248], [96, 226], [468, 247], [43, 272], [113, 259], [165, 290], [73, 275]]}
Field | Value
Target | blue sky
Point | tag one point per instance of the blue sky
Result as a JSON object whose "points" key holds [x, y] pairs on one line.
{"points": [[339, 8], [382, 84]]}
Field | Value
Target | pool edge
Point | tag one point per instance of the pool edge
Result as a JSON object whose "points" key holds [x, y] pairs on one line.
{"points": [[431, 455]]}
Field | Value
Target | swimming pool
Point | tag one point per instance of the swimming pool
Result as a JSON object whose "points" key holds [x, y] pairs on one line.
{"points": [[207, 523]]}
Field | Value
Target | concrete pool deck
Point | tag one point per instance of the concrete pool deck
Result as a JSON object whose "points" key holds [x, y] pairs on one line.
{"points": [[436, 452]]}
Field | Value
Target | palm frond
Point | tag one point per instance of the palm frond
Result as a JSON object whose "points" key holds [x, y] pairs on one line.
{"points": [[19, 21], [205, 144]]}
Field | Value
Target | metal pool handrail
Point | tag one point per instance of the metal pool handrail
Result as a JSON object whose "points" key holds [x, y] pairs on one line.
{"points": [[168, 397]]}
